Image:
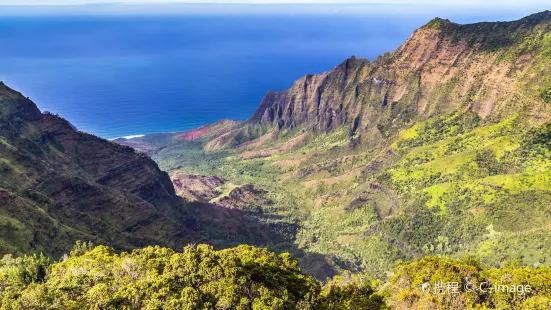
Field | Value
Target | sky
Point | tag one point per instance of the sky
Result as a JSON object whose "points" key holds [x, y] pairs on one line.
{"points": [[514, 8], [421, 2]]}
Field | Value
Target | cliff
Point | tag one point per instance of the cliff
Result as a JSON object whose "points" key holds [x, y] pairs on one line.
{"points": [[58, 185], [493, 69]]}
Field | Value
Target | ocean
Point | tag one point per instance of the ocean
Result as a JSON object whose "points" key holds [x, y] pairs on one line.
{"points": [[117, 76]]}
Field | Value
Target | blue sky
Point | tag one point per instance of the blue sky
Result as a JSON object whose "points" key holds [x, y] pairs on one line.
{"points": [[507, 9], [474, 3]]}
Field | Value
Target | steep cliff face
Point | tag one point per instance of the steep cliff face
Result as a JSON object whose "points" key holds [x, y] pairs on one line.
{"points": [[58, 185], [62, 184], [493, 69]]}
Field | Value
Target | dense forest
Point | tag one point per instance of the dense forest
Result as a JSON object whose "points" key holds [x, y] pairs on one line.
{"points": [[246, 277]]}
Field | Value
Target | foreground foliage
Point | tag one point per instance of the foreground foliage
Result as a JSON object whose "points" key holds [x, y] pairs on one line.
{"points": [[246, 277], [159, 278], [473, 286]]}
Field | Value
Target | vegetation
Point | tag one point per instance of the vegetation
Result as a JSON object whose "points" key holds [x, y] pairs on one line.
{"points": [[439, 283], [159, 278], [518, 33], [545, 94], [455, 185], [246, 277]]}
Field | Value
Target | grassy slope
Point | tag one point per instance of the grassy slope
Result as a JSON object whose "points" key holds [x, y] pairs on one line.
{"points": [[452, 185]]}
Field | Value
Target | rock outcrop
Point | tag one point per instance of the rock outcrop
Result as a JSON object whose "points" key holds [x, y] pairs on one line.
{"points": [[246, 197], [195, 187]]}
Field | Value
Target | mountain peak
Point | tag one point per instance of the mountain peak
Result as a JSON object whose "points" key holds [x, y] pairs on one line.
{"points": [[14, 104], [538, 17], [492, 36], [530, 20], [437, 23]]}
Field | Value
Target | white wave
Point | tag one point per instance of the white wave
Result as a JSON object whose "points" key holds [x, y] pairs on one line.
{"points": [[133, 136]]}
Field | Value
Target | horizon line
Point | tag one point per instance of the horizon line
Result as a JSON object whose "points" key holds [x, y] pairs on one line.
{"points": [[256, 2], [217, 3]]}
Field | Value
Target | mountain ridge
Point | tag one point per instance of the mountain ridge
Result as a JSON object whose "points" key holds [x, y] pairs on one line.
{"points": [[464, 63]]}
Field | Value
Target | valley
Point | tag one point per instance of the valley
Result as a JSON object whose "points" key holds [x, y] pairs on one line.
{"points": [[357, 188], [435, 149]]}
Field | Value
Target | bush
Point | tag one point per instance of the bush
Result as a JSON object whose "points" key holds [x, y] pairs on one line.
{"points": [[545, 94]]}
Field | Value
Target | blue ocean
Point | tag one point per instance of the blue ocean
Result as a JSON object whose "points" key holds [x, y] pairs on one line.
{"points": [[117, 76]]}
